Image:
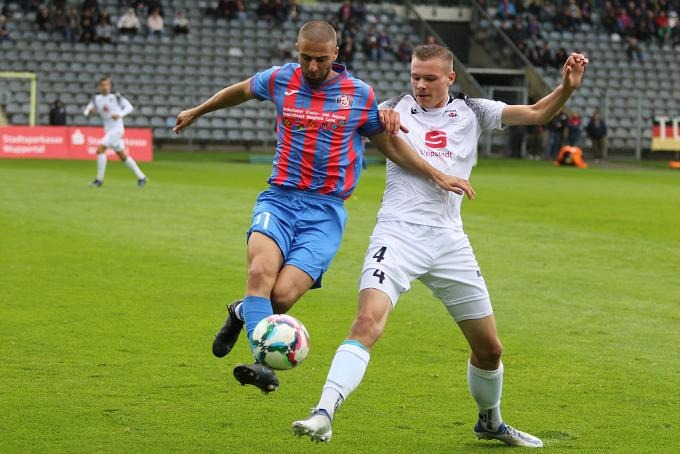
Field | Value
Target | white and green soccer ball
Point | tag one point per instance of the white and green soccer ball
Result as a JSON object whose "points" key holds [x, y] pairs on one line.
{"points": [[280, 342]]}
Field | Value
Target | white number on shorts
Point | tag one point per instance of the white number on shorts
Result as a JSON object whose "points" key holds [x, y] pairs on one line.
{"points": [[380, 275], [380, 255], [265, 223]]}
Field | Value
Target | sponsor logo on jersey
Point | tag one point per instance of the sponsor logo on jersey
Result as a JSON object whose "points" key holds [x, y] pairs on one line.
{"points": [[290, 92], [435, 139], [414, 111], [452, 113], [345, 101]]}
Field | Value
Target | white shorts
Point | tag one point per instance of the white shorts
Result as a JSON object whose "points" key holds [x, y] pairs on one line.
{"points": [[441, 258], [114, 139]]}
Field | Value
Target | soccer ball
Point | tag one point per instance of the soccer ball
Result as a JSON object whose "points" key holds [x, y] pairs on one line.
{"points": [[280, 342]]}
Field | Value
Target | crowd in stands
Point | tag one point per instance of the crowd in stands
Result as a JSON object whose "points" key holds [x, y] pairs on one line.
{"points": [[632, 23], [274, 11], [358, 29], [90, 23]]}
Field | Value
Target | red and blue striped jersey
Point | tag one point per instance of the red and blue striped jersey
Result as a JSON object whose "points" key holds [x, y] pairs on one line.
{"points": [[319, 128]]}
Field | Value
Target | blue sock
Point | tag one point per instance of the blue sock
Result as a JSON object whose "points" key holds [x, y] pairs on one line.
{"points": [[254, 309]]}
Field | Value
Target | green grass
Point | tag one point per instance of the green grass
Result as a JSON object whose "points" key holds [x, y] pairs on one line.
{"points": [[110, 298]]}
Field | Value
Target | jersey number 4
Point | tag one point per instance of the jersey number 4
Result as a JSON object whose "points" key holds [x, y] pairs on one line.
{"points": [[379, 257]]}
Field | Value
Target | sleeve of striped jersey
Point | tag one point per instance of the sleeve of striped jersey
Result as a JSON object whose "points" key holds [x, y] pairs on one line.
{"points": [[261, 84], [489, 113], [372, 126]]}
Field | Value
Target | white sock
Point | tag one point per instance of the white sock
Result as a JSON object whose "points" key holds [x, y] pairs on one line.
{"points": [[347, 370], [238, 311], [101, 166], [486, 387], [132, 165]]}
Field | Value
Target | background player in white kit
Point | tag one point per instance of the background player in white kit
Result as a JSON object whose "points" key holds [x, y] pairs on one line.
{"points": [[112, 107], [419, 235]]}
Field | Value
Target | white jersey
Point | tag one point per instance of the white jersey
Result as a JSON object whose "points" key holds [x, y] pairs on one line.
{"points": [[108, 105], [447, 138]]}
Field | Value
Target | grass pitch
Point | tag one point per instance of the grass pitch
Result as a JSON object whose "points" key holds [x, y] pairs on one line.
{"points": [[110, 298]]}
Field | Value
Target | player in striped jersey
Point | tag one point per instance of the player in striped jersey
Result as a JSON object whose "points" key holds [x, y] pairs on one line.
{"points": [[419, 235], [298, 222], [112, 107]]}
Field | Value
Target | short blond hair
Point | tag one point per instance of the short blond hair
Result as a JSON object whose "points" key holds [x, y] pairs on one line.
{"points": [[430, 51]]}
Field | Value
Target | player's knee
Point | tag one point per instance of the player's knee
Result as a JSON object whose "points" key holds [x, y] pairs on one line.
{"points": [[260, 279], [490, 353]]}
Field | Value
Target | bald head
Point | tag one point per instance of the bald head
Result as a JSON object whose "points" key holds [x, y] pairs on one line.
{"points": [[318, 31]]}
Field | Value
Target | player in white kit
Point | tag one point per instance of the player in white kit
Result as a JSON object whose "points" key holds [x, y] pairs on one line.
{"points": [[112, 107], [419, 235]]}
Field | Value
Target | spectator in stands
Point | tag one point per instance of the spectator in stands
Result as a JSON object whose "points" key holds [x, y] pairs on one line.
{"points": [[405, 49], [42, 19], [609, 17], [675, 35], [346, 12], [155, 4], [371, 44], [535, 141], [225, 9], [574, 128], [533, 29], [544, 56], [556, 129], [663, 29], [346, 52], [57, 113], [59, 19], [88, 28], [279, 12], [104, 30], [128, 23], [3, 116], [431, 40], [155, 23], [241, 12], [517, 31], [384, 44], [572, 14], [5, 33], [265, 10], [517, 134], [633, 50], [71, 28], [560, 57], [294, 10], [92, 5], [586, 12], [623, 22], [597, 132], [180, 23], [506, 10], [646, 28], [673, 28]]}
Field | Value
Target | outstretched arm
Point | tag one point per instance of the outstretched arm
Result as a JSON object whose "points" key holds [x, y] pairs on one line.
{"points": [[545, 109], [227, 97], [405, 157]]}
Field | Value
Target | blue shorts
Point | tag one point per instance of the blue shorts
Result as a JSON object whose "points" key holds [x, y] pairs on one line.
{"points": [[306, 226]]}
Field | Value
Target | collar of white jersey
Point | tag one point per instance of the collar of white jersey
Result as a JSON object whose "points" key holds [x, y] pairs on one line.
{"points": [[431, 111]]}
